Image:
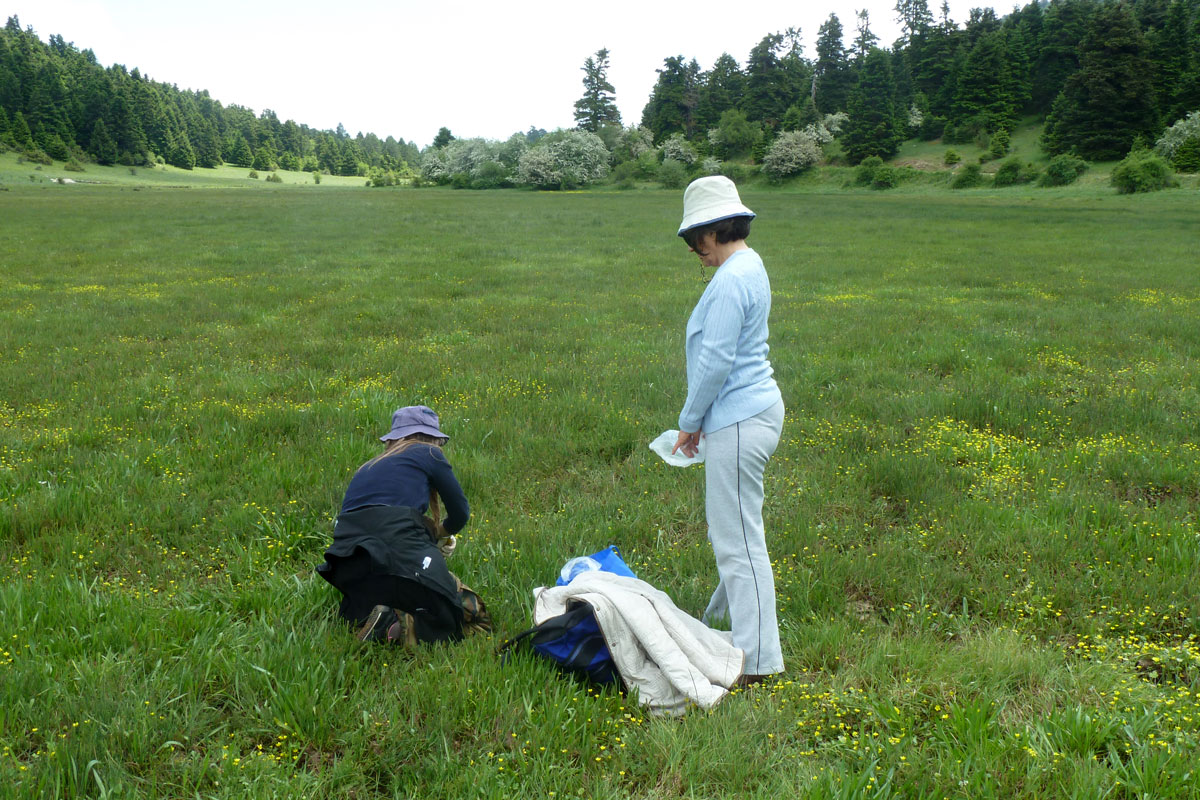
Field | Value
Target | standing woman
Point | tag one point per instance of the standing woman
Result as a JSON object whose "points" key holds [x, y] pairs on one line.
{"points": [[734, 402], [387, 557]]}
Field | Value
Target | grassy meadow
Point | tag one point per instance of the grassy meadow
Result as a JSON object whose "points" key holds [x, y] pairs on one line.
{"points": [[983, 514], [19, 173]]}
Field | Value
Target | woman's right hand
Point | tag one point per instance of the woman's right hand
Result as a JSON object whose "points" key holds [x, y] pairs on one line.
{"points": [[688, 442]]}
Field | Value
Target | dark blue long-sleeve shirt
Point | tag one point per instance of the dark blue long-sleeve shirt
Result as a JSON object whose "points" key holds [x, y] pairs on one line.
{"points": [[405, 479]]}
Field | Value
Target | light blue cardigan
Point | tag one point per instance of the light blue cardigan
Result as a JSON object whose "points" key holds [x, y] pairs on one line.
{"points": [[728, 374]]}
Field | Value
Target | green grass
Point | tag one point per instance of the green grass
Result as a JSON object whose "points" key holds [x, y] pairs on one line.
{"points": [[982, 514], [928, 160], [17, 172]]}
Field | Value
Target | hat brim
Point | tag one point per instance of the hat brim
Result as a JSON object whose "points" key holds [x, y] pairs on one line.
{"points": [[688, 225], [409, 430]]}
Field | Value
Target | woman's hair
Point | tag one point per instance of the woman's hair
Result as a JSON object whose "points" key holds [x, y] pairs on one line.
{"points": [[396, 446], [726, 230]]}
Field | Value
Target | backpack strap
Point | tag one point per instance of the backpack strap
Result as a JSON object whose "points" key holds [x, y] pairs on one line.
{"points": [[560, 621], [506, 648]]}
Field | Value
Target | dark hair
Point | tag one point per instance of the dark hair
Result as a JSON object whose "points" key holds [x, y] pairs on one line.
{"points": [[727, 230]]}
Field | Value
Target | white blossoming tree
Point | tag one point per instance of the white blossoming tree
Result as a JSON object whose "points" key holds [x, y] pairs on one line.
{"points": [[1180, 143], [477, 163], [433, 165], [564, 159], [792, 152], [677, 148], [633, 142]]}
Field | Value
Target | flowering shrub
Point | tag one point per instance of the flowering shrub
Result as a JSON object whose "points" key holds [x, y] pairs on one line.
{"points": [[678, 149], [433, 165], [1181, 142], [466, 155], [834, 122], [471, 163], [791, 153], [916, 117], [563, 159], [538, 167], [634, 141]]}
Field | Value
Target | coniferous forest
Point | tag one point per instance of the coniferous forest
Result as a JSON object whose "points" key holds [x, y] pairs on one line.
{"points": [[57, 101], [1103, 75]]}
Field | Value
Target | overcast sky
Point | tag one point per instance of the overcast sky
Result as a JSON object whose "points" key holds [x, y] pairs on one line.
{"points": [[405, 69]]}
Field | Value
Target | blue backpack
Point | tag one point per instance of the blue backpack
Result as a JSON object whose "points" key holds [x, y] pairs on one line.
{"points": [[573, 641]]}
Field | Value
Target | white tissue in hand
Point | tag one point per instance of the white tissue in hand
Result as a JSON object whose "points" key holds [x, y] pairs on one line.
{"points": [[666, 440]]}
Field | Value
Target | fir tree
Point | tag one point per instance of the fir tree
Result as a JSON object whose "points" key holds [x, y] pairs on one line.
{"points": [[871, 128], [1017, 54], [832, 77], [672, 104], [205, 144], [801, 115], [1063, 27], [864, 39], [1109, 102], [902, 77], [131, 139], [984, 95], [291, 139], [1172, 58], [914, 17], [46, 115], [20, 132], [934, 62], [348, 163], [980, 22], [179, 152], [10, 84], [240, 154], [766, 97], [597, 107], [797, 72], [52, 145], [721, 88], [264, 159], [103, 148], [1187, 94]]}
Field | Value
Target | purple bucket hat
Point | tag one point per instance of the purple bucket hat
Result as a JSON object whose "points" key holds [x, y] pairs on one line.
{"points": [[413, 419]]}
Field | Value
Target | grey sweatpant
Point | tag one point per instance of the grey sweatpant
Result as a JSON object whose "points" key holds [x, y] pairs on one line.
{"points": [[734, 461]]}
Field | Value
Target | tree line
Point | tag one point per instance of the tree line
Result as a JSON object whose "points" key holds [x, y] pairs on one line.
{"points": [[1102, 73], [58, 102], [1107, 77]]}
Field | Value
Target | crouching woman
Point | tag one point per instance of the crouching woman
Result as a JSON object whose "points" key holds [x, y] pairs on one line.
{"points": [[388, 558]]}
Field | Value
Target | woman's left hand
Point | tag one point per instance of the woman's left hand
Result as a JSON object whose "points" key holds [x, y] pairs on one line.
{"points": [[688, 442]]}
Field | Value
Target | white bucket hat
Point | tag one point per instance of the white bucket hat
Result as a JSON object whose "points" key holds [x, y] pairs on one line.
{"points": [[711, 199]]}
